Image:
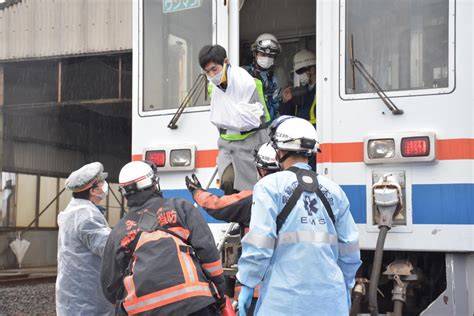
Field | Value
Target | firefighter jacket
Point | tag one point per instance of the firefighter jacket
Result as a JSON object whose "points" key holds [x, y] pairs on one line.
{"points": [[178, 270], [228, 208], [310, 264]]}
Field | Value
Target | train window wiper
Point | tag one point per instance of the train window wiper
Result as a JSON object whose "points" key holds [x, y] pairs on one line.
{"points": [[193, 95], [355, 63]]}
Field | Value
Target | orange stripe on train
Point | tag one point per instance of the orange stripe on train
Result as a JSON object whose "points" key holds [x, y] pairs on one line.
{"points": [[446, 149]]}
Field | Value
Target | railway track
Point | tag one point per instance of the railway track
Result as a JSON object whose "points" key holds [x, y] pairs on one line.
{"points": [[26, 279]]}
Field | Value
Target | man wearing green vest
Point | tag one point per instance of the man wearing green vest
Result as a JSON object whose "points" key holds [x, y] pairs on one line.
{"points": [[238, 110], [301, 101]]}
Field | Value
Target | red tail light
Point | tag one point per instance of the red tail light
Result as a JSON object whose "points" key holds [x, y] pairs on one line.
{"points": [[158, 157], [415, 146]]}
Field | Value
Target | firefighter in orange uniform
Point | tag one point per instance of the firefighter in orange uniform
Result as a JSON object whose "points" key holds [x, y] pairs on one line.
{"points": [[161, 258]]}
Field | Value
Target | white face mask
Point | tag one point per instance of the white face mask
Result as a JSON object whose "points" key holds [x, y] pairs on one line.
{"points": [[217, 79], [265, 62], [304, 78], [105, 190]]}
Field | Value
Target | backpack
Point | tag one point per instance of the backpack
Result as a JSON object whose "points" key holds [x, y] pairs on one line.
{"points": [[160, 259], [307, 182]]}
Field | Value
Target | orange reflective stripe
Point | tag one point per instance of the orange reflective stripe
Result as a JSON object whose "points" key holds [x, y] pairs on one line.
{"points": [[193, 268], [167, 296], [150, 236], [184, 233], [190, 268], [211, 264], [183, 263], [214, 268], [130, 287], [185, 260], [216, 273]]}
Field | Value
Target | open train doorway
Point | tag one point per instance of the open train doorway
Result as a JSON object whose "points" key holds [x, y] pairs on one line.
{"points": [[293, 23]]}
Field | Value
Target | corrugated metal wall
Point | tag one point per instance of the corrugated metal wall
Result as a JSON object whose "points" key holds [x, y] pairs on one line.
{"points": [[45, 28]]}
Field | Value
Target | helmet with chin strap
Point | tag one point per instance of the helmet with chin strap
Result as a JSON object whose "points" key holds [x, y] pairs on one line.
{"points": [[137, 176], [303, 59], [266, 43], [295, 135], [265, 158]]}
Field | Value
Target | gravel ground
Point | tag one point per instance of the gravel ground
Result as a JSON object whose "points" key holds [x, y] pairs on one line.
{"points": [[36, 299]]}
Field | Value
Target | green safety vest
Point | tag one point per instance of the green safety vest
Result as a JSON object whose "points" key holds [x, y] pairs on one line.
{"points": [[312, 112], [259, 87]]}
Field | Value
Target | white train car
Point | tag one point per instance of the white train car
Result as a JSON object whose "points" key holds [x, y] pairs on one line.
{"points": [[395, 122]]}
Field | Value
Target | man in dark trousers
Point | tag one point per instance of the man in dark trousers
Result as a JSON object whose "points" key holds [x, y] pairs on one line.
{"points": [[161, 258]]}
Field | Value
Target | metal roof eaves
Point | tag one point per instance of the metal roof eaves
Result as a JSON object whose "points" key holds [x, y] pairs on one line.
{"points": [[8, 3]]}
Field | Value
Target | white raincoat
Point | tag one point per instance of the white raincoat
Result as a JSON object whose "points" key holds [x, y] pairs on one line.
{"points": [[83, 232]]}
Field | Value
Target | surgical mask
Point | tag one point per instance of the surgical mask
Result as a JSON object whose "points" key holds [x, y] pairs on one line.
{"points": [[265, 62], [105, 190], [304, 78], [217, 78]]}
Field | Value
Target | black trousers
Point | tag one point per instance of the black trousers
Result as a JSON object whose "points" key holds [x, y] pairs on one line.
{"points": [[210, 310]]}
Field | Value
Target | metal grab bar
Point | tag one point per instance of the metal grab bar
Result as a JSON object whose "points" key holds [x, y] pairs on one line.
{"points": [[195, 91]]}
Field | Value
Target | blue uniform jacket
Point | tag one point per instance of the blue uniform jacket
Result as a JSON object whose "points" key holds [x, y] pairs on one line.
{"points": [[270, 88], [310, 266]]}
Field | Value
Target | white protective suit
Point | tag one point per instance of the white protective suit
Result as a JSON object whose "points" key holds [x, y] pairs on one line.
{"points": [[310, 266], [83, 232]]}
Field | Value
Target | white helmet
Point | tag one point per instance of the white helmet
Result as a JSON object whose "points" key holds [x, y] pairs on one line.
{"points": [[302, 59], [266, 43], [136, 176], [294, 134], [265, 158]]}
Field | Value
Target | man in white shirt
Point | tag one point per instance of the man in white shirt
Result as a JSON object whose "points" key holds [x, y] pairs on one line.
{"points": [[238, 110]]}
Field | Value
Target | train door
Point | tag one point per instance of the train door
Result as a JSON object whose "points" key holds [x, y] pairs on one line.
{"points": [[292, 22], [166, 74]]}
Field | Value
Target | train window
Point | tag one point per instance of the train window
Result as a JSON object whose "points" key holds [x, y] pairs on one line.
{"points": [[404, 45], [174, 32]]}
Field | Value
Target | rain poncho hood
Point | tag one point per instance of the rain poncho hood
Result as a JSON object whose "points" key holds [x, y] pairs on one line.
{"points": [[311, 264], [83, 233]]}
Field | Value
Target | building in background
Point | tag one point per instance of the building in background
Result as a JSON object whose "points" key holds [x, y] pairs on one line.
{"points": [[65, 100]]}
